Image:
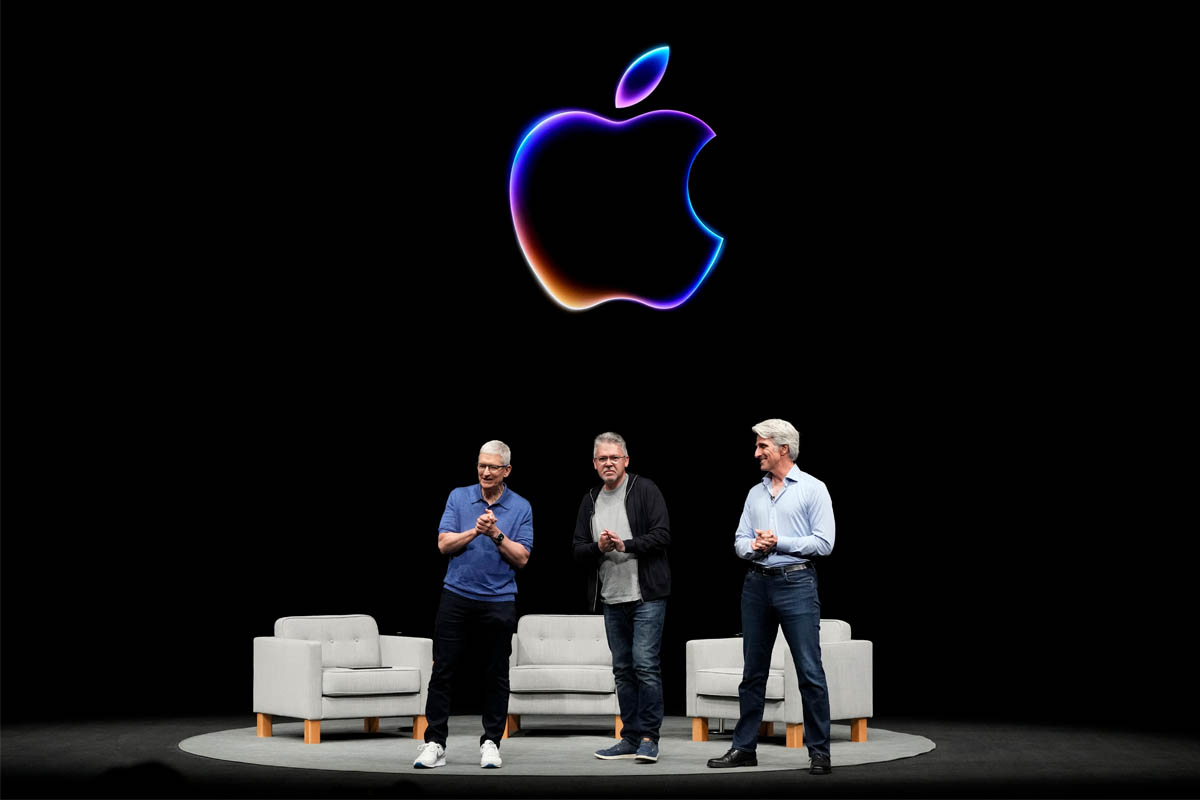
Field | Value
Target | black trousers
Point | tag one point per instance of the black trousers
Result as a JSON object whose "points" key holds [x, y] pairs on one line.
{"points": [[460, 622]]}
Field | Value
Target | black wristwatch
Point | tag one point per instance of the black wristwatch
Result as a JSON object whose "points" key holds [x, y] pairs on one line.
{"points": [[498, 538]]}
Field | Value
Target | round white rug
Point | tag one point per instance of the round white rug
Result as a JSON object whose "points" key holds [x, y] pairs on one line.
{"points": [[545, 745]]}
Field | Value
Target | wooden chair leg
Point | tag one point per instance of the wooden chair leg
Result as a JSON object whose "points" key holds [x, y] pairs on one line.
{"points": [[312, 731], [371, 724], [766, 729], [514, 723], [795, 734], [507, 723], [699, 729], [419, 726], [617, 727], [858, 729], [264, 725]]}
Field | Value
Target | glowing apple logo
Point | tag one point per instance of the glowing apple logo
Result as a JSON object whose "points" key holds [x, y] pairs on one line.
{"points": [[601, 207]]}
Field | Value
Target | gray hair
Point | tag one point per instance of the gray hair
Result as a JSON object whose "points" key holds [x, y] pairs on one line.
{"points": [[611, 438], [781, 432], [497, 448]]}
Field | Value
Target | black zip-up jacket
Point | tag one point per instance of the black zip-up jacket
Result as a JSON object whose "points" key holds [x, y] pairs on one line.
{"points": [[651, 527]]}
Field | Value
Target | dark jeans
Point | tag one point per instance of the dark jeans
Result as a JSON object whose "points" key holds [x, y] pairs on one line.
{"points": [[461, 621], [789, 600], [635, 638]]}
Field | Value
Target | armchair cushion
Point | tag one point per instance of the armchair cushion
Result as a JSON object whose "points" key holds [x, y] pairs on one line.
{"points": [[590, 679], [341, 681], [724, 682]]}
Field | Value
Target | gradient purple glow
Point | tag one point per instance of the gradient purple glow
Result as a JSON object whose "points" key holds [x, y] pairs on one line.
{"points": [[559, 289]]}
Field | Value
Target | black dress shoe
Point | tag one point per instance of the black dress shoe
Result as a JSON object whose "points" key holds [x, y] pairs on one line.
{"points": [[821, 765], [735, 758]]}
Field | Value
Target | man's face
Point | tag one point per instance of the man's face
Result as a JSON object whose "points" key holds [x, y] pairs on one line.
{"points": [[610, 461], [492, 471], [768, 454]]}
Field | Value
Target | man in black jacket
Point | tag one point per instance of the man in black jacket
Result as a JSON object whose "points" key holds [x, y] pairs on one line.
{"points": [[623, 531]]}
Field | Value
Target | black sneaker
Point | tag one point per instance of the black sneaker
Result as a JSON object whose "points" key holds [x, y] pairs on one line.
{"points": [[821, 765]]}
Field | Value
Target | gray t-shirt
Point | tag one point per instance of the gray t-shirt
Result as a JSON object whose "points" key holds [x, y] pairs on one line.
{"points": [[618, 571]]}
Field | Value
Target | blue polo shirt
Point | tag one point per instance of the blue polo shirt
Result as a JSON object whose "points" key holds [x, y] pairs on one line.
{"points": [[478, 572]]}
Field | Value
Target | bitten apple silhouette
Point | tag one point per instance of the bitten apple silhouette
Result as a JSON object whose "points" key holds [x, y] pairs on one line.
{"points": [[601, 207]]}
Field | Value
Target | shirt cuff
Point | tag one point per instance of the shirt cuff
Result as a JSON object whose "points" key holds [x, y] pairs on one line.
{"points": [[792, 545]]}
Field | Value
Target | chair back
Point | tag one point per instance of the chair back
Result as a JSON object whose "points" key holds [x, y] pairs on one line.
{"points": [[347, 640], [562, 639]]}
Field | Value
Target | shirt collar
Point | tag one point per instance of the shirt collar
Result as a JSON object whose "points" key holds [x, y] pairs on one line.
{"points": [[501, 502], [793, 476]]}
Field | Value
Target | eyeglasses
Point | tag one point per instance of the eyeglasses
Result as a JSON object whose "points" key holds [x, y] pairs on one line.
{"points": [[609, 459], [491, 467]]}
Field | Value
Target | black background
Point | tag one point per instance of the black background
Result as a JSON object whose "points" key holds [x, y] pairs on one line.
{"points": [[263, 302]]}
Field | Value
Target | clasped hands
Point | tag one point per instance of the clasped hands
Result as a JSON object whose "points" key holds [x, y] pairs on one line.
{"points": [[764, 541], [485, 525], [610, 541]]}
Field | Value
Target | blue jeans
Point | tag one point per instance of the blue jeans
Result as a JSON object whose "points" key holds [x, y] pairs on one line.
{"points": [[789, 600], [635, 638]]}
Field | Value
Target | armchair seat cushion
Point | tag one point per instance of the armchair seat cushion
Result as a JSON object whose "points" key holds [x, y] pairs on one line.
{"points": [[342, 681], [724, 682], [582, 678]]}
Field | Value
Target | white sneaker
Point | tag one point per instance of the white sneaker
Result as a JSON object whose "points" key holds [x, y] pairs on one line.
{"points": [[430, 755], [489, 755]]}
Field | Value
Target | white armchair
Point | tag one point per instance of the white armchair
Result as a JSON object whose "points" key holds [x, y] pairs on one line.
{"points": [[339, 667], [561, 664], [714, 671]]}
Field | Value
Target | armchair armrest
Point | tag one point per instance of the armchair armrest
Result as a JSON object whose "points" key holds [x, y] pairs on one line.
{"points": [[287, 677], [409, 651], [849, 674], [705, 654]]}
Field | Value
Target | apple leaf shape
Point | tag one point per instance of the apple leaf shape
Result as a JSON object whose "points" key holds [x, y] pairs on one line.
{"points": [[642, 76]]}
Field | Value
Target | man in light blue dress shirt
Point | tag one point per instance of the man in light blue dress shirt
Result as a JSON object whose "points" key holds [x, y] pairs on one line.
{"points": [[787, 519]]}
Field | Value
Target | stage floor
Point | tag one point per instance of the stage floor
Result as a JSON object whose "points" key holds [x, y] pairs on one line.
{"points": [[142, 758]]}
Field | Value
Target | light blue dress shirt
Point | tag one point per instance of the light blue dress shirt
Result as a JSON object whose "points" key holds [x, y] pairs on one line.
{"points": [[801, 517]]}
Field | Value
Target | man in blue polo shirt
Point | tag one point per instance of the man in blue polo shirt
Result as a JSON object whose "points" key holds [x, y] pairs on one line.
{"points": [[487, 530]]}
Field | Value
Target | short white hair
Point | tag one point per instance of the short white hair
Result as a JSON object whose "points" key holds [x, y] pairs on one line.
{"points": [[497, 448], [611, 438], [781, 432]]}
